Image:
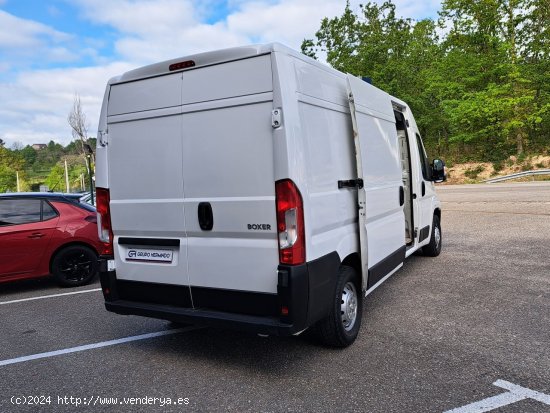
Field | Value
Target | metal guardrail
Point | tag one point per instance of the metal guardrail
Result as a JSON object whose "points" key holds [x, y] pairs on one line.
{"points": [[518, 175]]}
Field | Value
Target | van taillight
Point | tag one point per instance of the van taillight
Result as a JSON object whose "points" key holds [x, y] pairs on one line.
{"points": [[104, 228], [290, 223]]}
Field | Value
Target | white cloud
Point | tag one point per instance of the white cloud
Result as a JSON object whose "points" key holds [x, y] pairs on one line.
{"points": [[158, 30], [164, 29], [36, 104], [20, 34], [288, 21], [153, 30]]}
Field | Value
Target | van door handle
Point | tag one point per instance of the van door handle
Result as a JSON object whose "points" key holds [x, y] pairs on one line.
{"points": [[423, 188], [206, 218], [401, 196], [350, 183]]}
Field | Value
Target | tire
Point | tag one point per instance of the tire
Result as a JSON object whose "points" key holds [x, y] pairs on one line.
{"points": [[341, 327], [433, 249], [74, 266]]}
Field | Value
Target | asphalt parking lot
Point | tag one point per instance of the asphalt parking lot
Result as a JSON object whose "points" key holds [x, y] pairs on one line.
{"points": [[462, 330]]}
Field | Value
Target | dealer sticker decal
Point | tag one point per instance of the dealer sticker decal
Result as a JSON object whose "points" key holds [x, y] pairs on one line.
{"points": [[139, 254]]}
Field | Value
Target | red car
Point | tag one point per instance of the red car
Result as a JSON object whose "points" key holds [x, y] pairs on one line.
{"points": [[47, 233]]}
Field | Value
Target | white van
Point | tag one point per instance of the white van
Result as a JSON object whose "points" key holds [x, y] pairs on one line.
{"points": [[255, 188]]}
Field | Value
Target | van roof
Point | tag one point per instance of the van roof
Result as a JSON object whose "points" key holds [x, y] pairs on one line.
{"points": [[207, 59]]}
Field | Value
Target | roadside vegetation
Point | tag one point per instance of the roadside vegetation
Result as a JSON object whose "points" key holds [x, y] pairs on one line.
{"points": [[474, 172], [476, 79]]}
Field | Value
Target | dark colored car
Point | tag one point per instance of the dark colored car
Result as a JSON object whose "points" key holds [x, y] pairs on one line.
{"points": [[48, 233]]}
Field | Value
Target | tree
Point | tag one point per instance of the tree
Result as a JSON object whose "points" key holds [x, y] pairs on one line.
{"points": [[56, 178], [398, 54], [77, 121], [480, 92], [490, 34], [29, 155], [11, 164]]}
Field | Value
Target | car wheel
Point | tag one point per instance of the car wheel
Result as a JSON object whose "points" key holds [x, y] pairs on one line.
{"points": [[75, 265], [341, 327], [434, 247]]}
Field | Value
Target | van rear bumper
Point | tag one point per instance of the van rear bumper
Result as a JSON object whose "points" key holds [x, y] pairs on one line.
{"points": [[243, 322], [304, 296]]}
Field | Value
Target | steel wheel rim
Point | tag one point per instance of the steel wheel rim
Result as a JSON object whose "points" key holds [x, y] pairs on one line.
{"points": [[437, 235], [348, 307], [76, 266]]}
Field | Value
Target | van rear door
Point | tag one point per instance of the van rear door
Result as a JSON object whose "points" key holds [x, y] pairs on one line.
{"points": [[229, 179], [146, 180]]}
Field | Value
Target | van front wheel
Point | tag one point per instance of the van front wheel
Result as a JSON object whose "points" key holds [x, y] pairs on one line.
{"points": [[434, 247], [342, 325]]}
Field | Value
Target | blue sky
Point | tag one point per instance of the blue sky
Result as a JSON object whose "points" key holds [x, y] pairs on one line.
{"points": [[52, 50]]}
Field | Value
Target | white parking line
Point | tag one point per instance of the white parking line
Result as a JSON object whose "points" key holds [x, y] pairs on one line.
{"points": [[490, 403], [94, 346], [522, 391], [49, 296], [515, 394]]}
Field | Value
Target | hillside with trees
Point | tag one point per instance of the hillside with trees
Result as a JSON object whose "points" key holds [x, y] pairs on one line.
{"points": [[477, 79], [45, 166]]}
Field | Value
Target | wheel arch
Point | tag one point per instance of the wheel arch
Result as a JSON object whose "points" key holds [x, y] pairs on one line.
{"points": [[437, 212], [353, 260]]}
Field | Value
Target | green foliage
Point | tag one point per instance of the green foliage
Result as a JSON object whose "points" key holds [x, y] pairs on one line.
{"points": [[479, 93], [474, 172], [8, 181], [56, 178], [526, 166], [498, 166]]}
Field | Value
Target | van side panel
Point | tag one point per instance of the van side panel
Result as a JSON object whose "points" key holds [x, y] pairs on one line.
{"points": [[327, 142]]}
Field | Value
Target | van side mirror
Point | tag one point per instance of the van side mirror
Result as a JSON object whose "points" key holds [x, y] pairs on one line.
{"points": [[438, 171]]}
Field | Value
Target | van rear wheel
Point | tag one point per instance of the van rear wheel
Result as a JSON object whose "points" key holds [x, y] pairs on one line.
{"points": [[341, 327]]}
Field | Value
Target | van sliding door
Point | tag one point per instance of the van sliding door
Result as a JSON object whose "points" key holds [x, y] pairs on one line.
{"points": [[381, 218]]}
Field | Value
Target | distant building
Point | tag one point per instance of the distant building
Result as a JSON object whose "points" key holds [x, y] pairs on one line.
{"points": [[38, 146]]}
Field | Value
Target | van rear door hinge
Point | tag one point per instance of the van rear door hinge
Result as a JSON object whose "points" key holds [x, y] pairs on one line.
{"points": [[276, 118], [103, 138], [350, 183]]}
